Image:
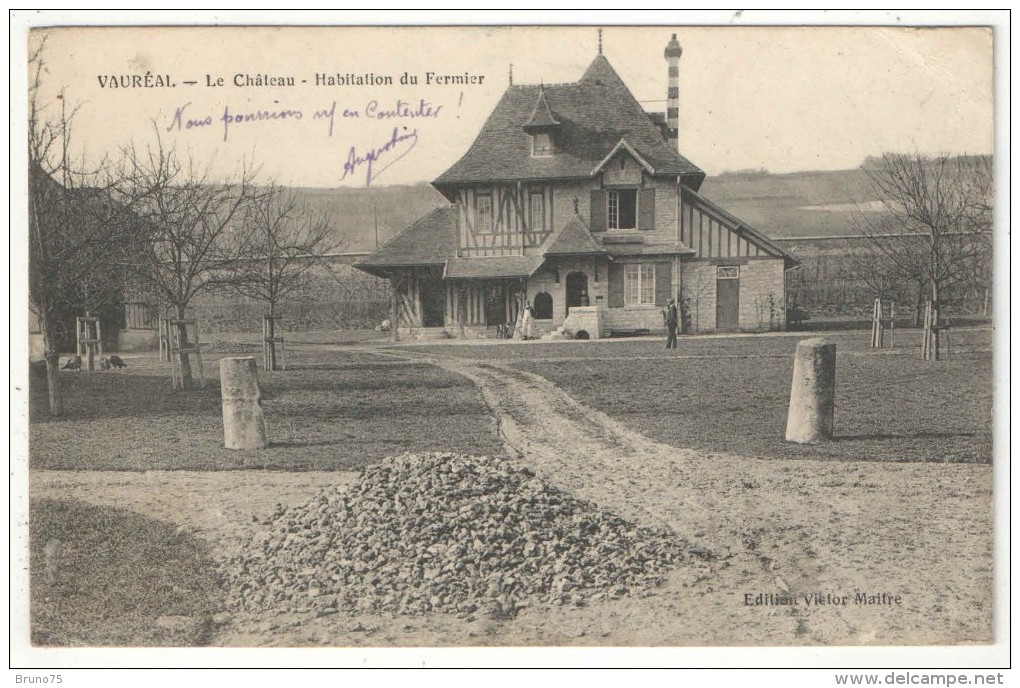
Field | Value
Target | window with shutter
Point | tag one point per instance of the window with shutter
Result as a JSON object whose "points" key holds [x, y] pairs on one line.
{"points": [[598, 210], [663, 282], [615, 285], [646, 208]]}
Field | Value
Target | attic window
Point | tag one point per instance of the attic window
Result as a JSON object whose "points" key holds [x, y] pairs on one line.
{"points": [[541, 144]]}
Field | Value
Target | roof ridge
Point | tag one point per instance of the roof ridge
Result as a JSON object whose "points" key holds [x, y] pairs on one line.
{"points": [[555, 84]]}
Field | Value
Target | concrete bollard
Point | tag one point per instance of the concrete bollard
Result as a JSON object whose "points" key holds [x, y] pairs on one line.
{"points": [[244, 424], [813, 393]]}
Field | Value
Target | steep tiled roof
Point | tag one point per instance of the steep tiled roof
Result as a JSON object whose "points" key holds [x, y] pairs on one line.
{"points": [[594, 115], [491, 267], [575, 239], [429, 241]]}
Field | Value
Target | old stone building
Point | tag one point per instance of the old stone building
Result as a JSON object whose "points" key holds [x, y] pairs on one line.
{"points": [[573, 198]]}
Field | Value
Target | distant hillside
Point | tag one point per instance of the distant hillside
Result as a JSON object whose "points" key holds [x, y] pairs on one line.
{"points": [[795, 204]]}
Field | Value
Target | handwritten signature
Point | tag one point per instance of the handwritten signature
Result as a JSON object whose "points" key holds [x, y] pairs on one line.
{"points": [[398, 142]]}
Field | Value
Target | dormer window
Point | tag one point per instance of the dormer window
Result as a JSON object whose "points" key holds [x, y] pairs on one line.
{"points": [[541, 144]]}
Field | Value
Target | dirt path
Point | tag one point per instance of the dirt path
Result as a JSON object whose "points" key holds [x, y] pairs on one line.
{"points": [[780, 528]]}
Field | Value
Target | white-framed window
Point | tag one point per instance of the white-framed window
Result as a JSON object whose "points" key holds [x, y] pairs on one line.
{"points": [[639, 284], [483, 212], [541, 144], [622, 210], [728, 272], [536, 215]]}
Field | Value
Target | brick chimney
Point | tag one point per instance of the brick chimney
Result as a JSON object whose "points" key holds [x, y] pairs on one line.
{"points": [[672, 55]]}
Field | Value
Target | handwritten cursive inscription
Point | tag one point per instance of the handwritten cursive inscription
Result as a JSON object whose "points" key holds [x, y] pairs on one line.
{"points": [[401, 140], [185, 120], [257, 116]]}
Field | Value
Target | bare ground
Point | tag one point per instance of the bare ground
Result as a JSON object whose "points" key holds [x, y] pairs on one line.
{"points": [[783, 528]]}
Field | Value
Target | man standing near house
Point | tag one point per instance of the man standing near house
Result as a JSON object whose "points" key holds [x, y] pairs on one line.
{"points": [[670, 316]]}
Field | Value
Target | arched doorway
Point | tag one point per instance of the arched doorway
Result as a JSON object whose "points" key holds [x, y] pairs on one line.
{"points": [[577, 290], [543, 306]]}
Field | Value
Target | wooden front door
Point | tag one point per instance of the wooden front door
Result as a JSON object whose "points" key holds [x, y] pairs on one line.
{"points": [[727, 298], [577, 290]]}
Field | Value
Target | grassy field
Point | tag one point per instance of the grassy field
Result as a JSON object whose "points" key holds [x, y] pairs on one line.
{"points": [[330, 411], [341, 410], [731, 393], [888, 407], [108, 576]]}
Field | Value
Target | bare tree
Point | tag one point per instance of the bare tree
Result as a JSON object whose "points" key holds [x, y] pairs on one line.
{"points": [[78, 237], [190, 222], [282, 241], [938, 220]]}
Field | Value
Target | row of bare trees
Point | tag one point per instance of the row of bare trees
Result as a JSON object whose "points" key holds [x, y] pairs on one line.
{"points": [[155, 219], [936, 230], [931, 239]]}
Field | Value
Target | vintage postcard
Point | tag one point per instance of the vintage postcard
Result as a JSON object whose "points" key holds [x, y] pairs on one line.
{"points": [[578, 336]]}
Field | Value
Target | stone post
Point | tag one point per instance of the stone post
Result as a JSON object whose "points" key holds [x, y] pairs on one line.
{"points": [[244, 424], [813, 393]]}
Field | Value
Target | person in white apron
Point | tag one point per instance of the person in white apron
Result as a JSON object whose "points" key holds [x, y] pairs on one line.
{"points": [[527, 320]]}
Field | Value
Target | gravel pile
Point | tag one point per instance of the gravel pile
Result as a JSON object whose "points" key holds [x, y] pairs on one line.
{"points": [[445, 532]]}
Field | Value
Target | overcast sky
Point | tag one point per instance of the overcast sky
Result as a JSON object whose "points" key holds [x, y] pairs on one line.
{"points": [[780, 98]]}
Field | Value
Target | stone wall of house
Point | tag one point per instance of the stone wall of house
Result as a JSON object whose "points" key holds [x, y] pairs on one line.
{"points": [[762, 294], [545, 280], [666, 217], [697, 279]]}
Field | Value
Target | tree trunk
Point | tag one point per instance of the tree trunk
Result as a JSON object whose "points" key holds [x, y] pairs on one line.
{"points": [[53, 383], [187, 379], [935, 322], [56, 401], [919, 307], [271, 337]]}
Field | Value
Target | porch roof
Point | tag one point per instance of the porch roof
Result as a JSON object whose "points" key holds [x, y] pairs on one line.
{"points": [[492, 267], [575, 239], [428, 241]]}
